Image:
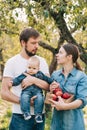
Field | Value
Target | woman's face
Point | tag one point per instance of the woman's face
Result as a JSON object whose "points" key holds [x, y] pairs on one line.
{"points": [[62, 57]]}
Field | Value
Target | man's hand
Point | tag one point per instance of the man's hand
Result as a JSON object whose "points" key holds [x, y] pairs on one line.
{"points": [[32, 100], [28, 81]]}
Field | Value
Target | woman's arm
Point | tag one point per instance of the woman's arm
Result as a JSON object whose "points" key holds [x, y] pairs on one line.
{"points": [[61, 105]]}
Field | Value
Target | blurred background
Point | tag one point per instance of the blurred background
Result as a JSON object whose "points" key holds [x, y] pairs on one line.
{"points": [[58, 21]]}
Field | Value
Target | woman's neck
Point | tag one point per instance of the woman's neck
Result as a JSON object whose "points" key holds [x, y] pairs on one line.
{"points": [[67, 69]]}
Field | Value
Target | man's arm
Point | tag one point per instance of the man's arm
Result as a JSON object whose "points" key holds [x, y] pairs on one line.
{"points": [[41, 83], [44, 77], [6, 93], [29, 80]]}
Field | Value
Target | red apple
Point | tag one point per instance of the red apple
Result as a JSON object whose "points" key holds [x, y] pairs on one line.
{"points": [[59, 93], [66, 95], [54, 97], [56, 89]]}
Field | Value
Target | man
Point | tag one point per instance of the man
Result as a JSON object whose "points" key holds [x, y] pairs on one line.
{"points": [[29, 39]]}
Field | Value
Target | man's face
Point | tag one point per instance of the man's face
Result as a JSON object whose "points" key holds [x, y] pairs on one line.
{"points": [[31, 46]]}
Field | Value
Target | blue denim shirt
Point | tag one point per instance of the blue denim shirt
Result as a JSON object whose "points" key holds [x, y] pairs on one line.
{"points": [[75, 83]]}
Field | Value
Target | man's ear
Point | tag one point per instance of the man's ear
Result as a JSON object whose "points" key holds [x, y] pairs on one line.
{"points": [[22, 43]]}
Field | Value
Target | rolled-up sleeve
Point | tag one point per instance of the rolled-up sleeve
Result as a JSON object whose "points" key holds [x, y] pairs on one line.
{"points": [[81, 92]]}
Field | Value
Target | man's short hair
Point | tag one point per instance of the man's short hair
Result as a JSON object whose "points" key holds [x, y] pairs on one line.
{"points": [[28, 33]]}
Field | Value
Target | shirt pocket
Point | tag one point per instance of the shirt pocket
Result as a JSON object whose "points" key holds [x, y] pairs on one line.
{"points": [[70, 86]]}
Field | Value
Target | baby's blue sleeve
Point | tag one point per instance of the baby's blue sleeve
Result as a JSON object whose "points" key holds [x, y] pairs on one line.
{"points": [[18, 80]]}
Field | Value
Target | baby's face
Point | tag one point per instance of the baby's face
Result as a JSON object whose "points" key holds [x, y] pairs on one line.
{"points": [[33, 68]]}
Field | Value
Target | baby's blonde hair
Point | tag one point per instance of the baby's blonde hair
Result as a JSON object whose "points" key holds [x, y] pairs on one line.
{"points": [[34, 59]]}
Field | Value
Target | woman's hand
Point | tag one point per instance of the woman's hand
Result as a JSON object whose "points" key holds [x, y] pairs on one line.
{"points": [[54, 85], [59, 105], [28, 81]]}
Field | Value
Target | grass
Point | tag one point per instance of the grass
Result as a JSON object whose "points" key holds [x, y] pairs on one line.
{"points": [[85, 116], [4, 121], [48, 121], [5, 115]]}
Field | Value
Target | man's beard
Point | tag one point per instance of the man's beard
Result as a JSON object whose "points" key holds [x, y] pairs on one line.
{"points": [[29, 53]]}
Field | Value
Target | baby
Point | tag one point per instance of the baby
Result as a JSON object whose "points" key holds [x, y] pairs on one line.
{"points": [[33, 90]]}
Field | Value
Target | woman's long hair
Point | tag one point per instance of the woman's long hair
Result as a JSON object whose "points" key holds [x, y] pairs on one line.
{"points": [[74, 51]]}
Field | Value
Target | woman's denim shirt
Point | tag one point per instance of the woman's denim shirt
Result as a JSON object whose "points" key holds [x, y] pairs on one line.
{"points": [[75, 83]]}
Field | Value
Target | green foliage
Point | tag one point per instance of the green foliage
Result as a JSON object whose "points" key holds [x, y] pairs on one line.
{"points": [[77, 13], [39, 16], [85, 116], [46, 13], [4, 121], [10, 46], [48, 120], [47, 54]]}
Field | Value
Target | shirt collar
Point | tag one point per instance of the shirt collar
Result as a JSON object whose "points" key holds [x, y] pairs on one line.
{"points": [[73, 72]]}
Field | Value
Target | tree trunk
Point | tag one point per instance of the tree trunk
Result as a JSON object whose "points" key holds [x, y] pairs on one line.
{"points": [[1, 64]]}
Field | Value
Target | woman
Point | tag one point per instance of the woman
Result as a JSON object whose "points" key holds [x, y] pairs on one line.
{"points": [[69, 116]]}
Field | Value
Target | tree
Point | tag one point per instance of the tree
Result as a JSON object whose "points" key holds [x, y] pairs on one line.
{"points": [[57, 11], [57, 21]]}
